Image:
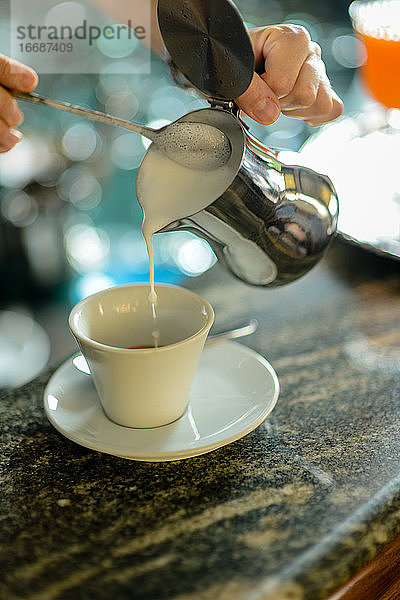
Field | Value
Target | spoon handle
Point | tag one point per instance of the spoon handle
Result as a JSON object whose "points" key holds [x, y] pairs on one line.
{"points": [[232, 334], [95, 115]]}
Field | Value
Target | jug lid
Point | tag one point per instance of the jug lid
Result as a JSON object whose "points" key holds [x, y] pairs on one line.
{"points": [[209, 44]]}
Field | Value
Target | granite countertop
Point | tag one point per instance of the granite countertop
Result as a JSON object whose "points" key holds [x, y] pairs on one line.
{"points": [[289, 512]]}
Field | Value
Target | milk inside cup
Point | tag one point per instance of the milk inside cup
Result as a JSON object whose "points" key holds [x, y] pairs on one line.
{"points": [[139, 385]]}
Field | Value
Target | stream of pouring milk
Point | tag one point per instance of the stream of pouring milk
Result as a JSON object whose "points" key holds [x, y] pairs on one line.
{"points": [[168, 192]]}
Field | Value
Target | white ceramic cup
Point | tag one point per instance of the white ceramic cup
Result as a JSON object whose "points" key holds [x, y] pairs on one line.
{"points": [[142, 387]]}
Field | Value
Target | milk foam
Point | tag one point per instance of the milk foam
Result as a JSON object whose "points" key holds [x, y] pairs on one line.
{"points": [[168, 192]]}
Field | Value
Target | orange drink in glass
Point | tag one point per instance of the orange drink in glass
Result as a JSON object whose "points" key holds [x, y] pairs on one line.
{"points": [[377, 23]]}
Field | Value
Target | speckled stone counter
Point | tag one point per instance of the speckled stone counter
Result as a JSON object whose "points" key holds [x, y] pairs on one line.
{"points": [[289, 512]]}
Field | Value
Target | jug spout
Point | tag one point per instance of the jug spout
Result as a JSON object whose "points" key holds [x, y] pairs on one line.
{"points": [[273, 223]]}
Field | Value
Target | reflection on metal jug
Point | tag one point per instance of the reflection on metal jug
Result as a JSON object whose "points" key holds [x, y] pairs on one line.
{"points": [[274, 221]]}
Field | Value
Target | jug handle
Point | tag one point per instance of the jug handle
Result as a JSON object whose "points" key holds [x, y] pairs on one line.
{"points": [[252, 142]]}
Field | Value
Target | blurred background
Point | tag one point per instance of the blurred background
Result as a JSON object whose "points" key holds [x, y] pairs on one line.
{"points": [[70, 223]]}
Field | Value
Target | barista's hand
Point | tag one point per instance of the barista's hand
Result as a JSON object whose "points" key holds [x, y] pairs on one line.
{"points": [[15, 76], [290, 78]]}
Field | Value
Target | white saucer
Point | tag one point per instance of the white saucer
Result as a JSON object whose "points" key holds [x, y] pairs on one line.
{"points": [[233, 391]]}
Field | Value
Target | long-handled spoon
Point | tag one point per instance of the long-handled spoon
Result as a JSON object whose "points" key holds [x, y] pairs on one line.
{"points": [[192, 145]]}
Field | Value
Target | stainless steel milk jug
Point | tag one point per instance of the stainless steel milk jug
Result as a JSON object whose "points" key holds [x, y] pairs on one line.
{"points": [[274, 221]]}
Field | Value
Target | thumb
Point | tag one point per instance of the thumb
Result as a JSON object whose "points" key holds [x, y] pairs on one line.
{"points": [[17, 76], [259, 102]]}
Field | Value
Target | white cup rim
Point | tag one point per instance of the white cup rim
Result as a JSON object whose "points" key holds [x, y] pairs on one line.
{"points": [[117, 349]]}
